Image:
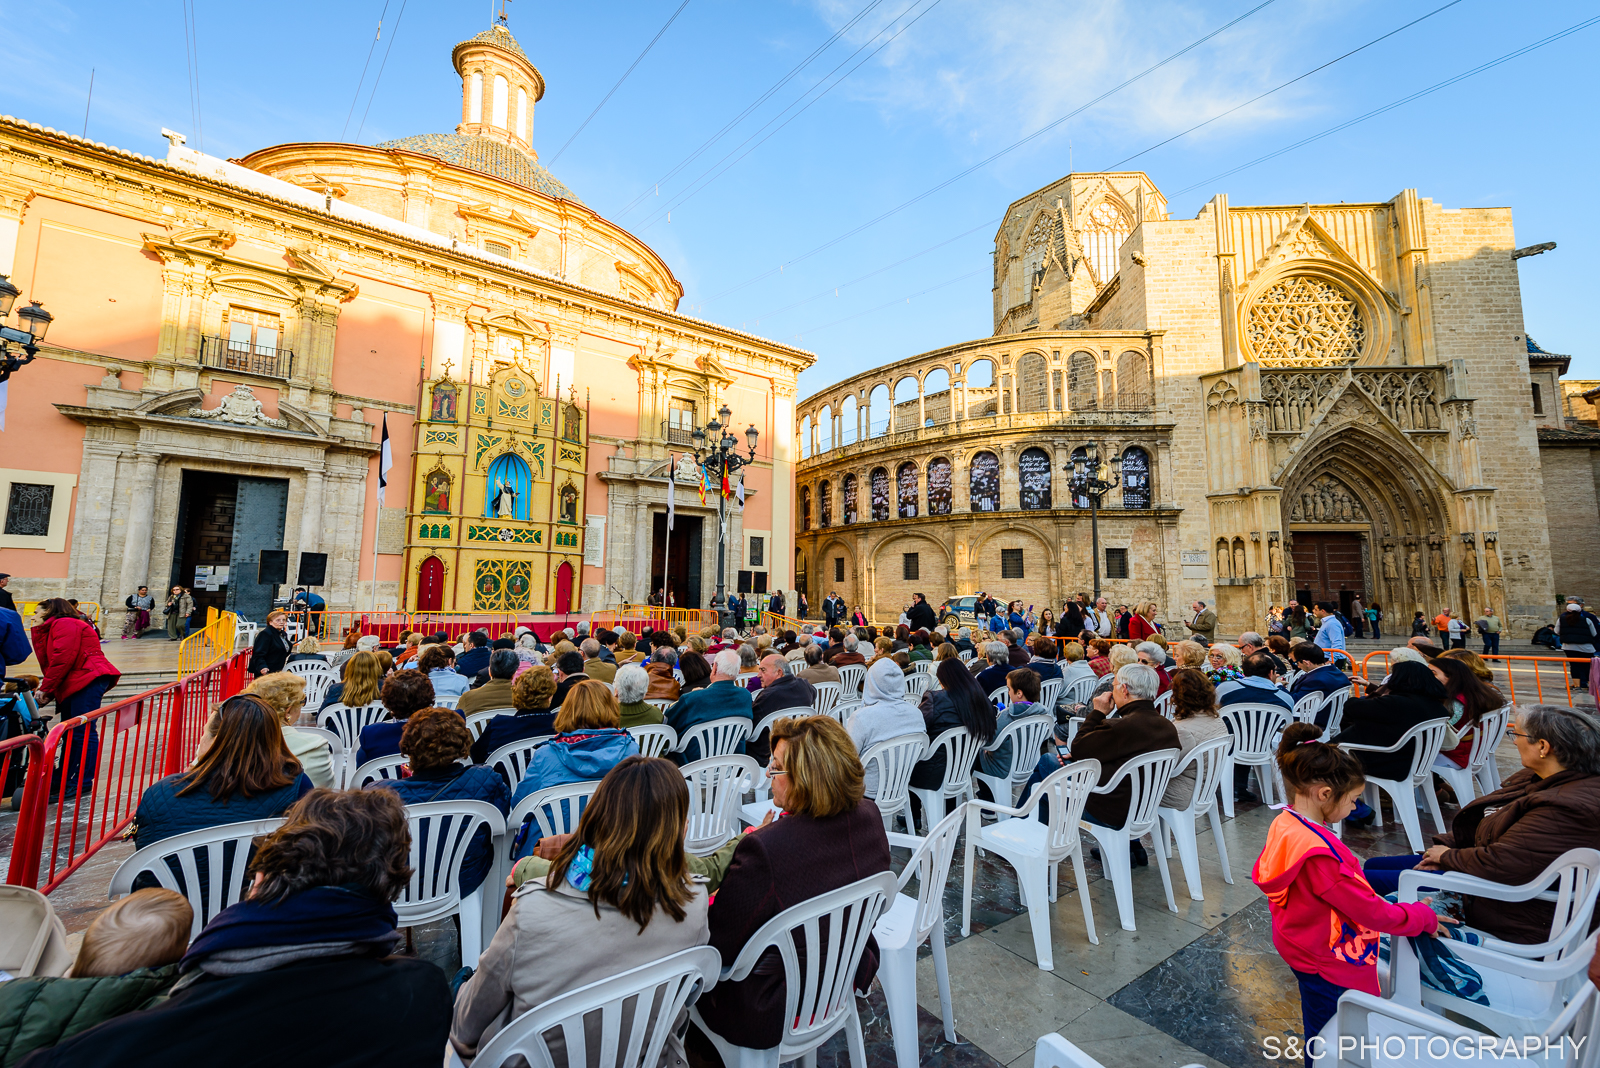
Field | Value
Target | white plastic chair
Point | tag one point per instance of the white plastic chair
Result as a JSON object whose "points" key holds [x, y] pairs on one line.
{"points": [[554, 810], [1164, 704], [384, 767], [1036, 849], [910, 921], [512, 760], [1147, 775], [917, 684], [441, 833], [1306, 709], [627, 1037], [348, 722], [478, 722], [851, 676], [227, 874], [717, 737], [1527, 985], [967, 656], [827, 695], [1049, 693], [1426, 739], [1210, 760], [1080, 692], [716, 786], [924, 667], [654, 739], [960, 750], [1335, 704], [1053, 1051], [660, 703], [894, 759], [337, 753], [1367, 1032], [318, 677], [449, 700], [818, 1002], [1027, 736], [998, 697], [843, 712], [1486, 738], [1255, 729]]}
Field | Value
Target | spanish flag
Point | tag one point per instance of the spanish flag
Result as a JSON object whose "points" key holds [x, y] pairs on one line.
{"points": [[727, 487]]}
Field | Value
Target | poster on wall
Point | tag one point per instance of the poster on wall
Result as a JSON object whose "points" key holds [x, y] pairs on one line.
{"points": [[202, 576]]}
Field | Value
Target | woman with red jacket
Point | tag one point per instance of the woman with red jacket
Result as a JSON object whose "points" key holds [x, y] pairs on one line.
{"points": [[77, 675], [1142, 624]]}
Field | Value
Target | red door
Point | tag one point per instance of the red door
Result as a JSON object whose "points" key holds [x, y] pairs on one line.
{"points": [[564, 589], [430, 586]]}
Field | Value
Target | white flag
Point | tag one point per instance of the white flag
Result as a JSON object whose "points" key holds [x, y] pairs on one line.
{"points": [[385, 460], [672, 488], [739, 491]]}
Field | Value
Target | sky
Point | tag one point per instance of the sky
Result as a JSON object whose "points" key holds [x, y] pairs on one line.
{"points": [[850, 203]]}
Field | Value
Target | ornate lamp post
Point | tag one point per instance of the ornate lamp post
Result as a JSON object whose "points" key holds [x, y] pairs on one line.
{"points": [[1091, 477], [34, 321], [721, 459]]}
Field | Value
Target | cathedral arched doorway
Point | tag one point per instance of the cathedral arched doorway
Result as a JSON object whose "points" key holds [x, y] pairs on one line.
{"points": [[430, 585], [1365, 515], [564, 588]]}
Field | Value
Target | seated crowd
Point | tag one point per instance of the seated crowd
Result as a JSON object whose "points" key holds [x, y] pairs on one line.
{"points": [[317, 925]]}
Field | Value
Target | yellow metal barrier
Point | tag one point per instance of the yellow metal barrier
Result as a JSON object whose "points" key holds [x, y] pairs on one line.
{"points": [[210, 644], [90, 608]]}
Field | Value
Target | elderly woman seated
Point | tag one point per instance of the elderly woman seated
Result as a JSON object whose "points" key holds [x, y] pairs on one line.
{"points": [[589, 742], [1511, 835], [1223, 664], [632, 684]]}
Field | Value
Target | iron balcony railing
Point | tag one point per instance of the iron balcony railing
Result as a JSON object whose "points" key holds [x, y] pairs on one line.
{"points": [[227, 354], [677, 435]]}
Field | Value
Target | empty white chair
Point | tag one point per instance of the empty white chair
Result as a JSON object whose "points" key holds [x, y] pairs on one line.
{"points": [[1335, 704], [1210, 760], [1255, 729], [967, 656], [851, 676], [627, 1038], [1306, 709], [717, 737], [449, 700], [1026, 736], [827, 695], [817, 995], [917, 684], [512, 760], [337, 754], [654, 739], [478, 722], [384, 767], [226, 848], [1146, 775], [1080, 692], [893, 760], [441, 833], [1049, 693], [910, 921], [960, 749], [1036, 849], [348, 722], [1164, 704], [1425, 739], [1527, 986], [1486, 738], [716, 786]]}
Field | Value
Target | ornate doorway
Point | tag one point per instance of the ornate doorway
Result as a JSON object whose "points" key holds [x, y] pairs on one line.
{"points": [[1328, 567], [564, 589], [430, 586]]}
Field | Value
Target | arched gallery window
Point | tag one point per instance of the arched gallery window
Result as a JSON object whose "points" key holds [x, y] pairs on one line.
{"points": [[1033, 474], [1134, 390], [805, 507], [939, 492], [1082, 387], [825, 505], [985, 483], [1135, 478], [851, 515], [906, 485], [506, 495], [880, 494], [1033, 384], [1080, 500]]}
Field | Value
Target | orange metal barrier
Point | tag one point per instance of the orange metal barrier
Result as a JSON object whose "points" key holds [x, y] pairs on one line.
{"points": [[1504, 666], [140, 740]]}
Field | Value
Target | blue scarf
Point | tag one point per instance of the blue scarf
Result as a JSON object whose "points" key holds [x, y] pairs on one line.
{"points": [[320, 914]]}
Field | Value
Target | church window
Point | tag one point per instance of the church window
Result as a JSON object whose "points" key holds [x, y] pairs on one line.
{"points": [[880, 494], [910, 567], [985, 482], [28, 509], [1135, 478], [1538, 400], [1116, 563], [501, 92], [522, 113], [851, 499], [1305, 322], [1033, 474], [680, 421], [1104, 230], [498, 248], [906, 484], [939, 489], [1011, 563], [475, 98], [825, 505]]}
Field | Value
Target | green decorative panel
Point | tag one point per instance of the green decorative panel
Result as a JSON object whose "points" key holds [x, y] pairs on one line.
{"points": [[567, 538], [433, 531], [442, 437], [485, 443], [570, 455], [508, 535], [512, 411], [535, 451]]}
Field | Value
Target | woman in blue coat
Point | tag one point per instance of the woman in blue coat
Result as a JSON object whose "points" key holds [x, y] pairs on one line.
{"points": [[589, 742]]}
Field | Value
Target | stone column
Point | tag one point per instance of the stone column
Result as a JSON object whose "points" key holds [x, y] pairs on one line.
{"points": [[311, 512], [960, 485], [141, 524]]}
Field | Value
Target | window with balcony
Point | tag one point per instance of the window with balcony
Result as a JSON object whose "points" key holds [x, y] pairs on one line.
{"points": [[680, 422], [252, 342]]}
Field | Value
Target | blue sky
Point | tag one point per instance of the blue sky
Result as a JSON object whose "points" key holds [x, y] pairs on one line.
{"points": [[921, 90]]}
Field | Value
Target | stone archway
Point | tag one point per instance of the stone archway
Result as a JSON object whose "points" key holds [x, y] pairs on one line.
{"points": [[1369, 514]]}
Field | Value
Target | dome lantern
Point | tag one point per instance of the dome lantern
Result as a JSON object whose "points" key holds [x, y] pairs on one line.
{"points": [[499, 87]]}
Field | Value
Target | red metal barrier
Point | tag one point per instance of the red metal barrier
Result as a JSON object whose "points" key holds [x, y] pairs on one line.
{"points": [[141, 740]]}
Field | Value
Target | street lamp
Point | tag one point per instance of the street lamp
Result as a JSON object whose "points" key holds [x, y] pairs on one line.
{"points": [[34, 321], [717, 448], [1091, 477]]}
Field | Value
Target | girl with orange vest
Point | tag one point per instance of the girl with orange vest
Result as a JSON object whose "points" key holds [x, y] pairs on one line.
{"points": [[1325, 917]]}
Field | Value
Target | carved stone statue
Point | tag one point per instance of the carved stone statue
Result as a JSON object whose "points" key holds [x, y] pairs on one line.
{"points": [[1436, 561], [1413, 564], [1223, 568], [687, 470], [1275, 558], [240, 408], [1240, 568], [1469, 563], [1491, 559], [1391, 569], [504, 501]]}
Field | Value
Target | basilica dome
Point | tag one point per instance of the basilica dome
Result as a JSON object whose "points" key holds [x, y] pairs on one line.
{"points": [[493, 158]]}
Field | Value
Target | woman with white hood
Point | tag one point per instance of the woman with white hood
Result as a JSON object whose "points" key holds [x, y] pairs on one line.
{"points": [[884, 713]]}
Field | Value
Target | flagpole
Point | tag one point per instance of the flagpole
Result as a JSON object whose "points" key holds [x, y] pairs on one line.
{"points": [[666, 551], [385, 460]]}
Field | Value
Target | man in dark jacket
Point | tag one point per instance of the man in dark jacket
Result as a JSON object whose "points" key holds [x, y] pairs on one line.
{"points": [[779, 690], [318, 930], [496, 693], [721, 698], [1016, 653], [1136, 729], [476, 655], [993, 677], [920, 615], [1320, 676], [569, 672], [14, 646]]}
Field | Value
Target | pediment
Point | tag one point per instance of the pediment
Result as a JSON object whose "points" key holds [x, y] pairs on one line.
{"points": [[1304, 239], [208, 240]]}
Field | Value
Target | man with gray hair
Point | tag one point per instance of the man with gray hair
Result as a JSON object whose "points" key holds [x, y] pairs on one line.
{"points": [[721, 698], [1122, 724], [593, 665], [798, 652], [963, 641], [817, 669], [993, 677], [583, 629], [1202, 621], [1252, 642], [849, 652]]}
